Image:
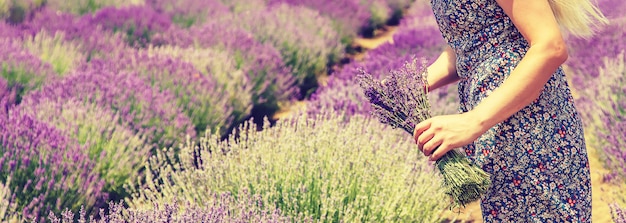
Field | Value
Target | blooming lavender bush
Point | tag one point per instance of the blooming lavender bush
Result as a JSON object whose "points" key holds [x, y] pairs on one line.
{"points": [[323, 168], [618, 210], [423, 42], [147, 110], [606, 43], [7, 97], [117, 152], [16, 11], [612, 9], [604, 109], [22, 71], [8, 31], [222, 208], [380, 13], [400, 100], [349, 17], [344, 96], [89, 38], [305, 39], [61, 55], [88, 6], [187, 13], [221, 66], [200, 97], [138, 23], [418, 16], [239, 6], [270, 79], [44, 170]]}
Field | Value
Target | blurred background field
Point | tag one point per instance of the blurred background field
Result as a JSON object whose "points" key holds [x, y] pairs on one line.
{"points": [[246, 111]]}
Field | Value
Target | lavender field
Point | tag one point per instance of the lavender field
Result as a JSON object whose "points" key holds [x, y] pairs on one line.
{"points": [[245, 111]]}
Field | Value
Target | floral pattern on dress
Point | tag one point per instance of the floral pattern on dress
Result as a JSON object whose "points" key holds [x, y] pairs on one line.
{"points": [[537, 158]]}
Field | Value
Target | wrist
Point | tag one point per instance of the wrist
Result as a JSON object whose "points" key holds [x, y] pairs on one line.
{"points": [[480, 120]]}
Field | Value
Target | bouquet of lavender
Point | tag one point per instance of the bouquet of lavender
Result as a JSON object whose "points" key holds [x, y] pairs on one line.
{"points": [[401, 101]]}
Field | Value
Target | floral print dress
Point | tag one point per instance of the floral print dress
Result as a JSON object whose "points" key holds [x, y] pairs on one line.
{"points": [[537, 158]]}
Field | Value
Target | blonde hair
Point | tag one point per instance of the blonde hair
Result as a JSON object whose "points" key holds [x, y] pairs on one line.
{"points": [[578, 17]]}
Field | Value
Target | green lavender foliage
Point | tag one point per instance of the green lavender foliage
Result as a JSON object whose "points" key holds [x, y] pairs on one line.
{"points": [[306, 40], [221, 66], [61, 55], [118, 153], [80, 7], [380, 13], [222, 208], [15, 11], [322, 168], [22, 71], [8, 209], [5, 6], [463, 182]]}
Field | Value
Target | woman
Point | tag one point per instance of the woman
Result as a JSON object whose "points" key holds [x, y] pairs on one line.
{"points": [[517, 119]]}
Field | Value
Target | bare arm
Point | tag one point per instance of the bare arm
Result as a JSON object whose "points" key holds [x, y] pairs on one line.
{"points": [[443, 70], [535, 20]]}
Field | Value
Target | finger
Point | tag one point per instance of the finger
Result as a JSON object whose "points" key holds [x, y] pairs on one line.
{"points": [[424, 138], [431, 146], [439, 152], [420, 128]]}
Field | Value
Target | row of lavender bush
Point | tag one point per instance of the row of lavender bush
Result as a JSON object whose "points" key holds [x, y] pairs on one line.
{"points": [[90, 89], [105, 86]]}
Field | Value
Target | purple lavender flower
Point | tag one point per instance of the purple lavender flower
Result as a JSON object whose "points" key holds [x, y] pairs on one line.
{"points": [[586, 54], [16, 11], [225, 207], [349, 15], [139, 23], [147, 110], [418, 16], [612, 9], [8, 31], [118, 153], [22, 71], [83, 7], [603, 110], [618, 213], [7, 97], [422, 42], [344, 96], [45, 170], [93, 40], [199, 96], [270, 79], [306, 39], [187, 13], [400, 100]]}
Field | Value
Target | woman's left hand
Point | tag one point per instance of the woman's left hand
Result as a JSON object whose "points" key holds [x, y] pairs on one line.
{"points": [[440, 134]]}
